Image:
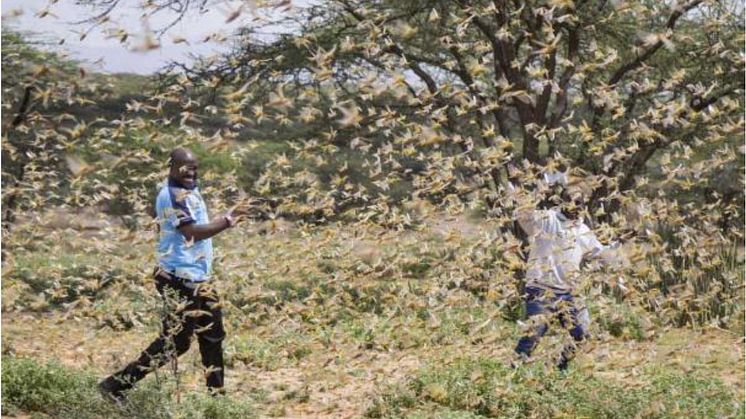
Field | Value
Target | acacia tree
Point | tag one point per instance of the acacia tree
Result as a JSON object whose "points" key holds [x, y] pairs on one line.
{"points": [[609, 85]]}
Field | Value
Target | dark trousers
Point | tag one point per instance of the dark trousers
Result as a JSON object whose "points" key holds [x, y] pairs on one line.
{"points": [[560, 306], [189, 311]]}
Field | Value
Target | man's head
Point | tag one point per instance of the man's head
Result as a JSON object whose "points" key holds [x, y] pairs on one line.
{"points": [[560, 190], [183, 167], [573, 202]]}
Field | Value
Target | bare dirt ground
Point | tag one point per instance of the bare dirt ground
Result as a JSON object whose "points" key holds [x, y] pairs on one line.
{"points": [[340, 382]]}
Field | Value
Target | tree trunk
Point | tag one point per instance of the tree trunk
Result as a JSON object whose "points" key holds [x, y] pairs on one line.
{"points": [[11, 200]]}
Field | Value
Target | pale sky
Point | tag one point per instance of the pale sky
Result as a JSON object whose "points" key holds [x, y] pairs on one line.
{"points": [[119, 57]]}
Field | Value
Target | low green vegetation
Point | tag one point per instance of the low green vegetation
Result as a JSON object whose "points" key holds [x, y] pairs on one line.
{"points": [[480, 387], [51, 390]]}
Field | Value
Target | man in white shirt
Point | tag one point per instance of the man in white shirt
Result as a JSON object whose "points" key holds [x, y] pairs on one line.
{"points": [[559, 241]]}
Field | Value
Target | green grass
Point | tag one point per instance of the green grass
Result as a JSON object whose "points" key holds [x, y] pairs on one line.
{"points": [[269, 354], [620, 320], [485, 387], [51, 390], [63, 276]]}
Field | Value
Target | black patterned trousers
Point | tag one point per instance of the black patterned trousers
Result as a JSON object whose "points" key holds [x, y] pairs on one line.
{"points": [[190, 309]]}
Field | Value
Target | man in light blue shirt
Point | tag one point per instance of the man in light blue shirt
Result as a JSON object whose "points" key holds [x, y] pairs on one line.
{"points": [[177, 207], [182, 276]]}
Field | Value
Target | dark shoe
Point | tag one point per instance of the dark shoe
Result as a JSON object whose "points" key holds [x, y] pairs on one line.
{"points": [[216, 391], [518, 361], [111, 390]]}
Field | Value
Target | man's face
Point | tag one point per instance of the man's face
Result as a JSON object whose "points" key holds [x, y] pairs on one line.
{"points": [[574, 203], [185, 171]]}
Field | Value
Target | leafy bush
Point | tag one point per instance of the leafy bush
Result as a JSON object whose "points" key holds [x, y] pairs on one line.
{"points": [[49, 388], [203, 406]]}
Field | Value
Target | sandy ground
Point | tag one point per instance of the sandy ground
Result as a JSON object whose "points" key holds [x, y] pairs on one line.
{"points": [[340, 382]]}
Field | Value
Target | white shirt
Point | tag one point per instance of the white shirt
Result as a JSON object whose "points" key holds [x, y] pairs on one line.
{"points": [[557, 247]]}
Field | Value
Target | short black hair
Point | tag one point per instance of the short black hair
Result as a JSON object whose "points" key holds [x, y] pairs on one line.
{"points": [[179, 155]]}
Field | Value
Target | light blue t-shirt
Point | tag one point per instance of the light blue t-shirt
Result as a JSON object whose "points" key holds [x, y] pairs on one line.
{"points": [[176, 206]]}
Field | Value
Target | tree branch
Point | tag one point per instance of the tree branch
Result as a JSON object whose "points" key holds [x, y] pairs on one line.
{"points": [[624, 69], [23, 108], [564, 81], [543, 102], [698, 103], [504, 55]]}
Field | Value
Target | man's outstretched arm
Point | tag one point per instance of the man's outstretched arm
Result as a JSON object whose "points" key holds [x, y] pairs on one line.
{"points": [[197, 232], [609, 255]]}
